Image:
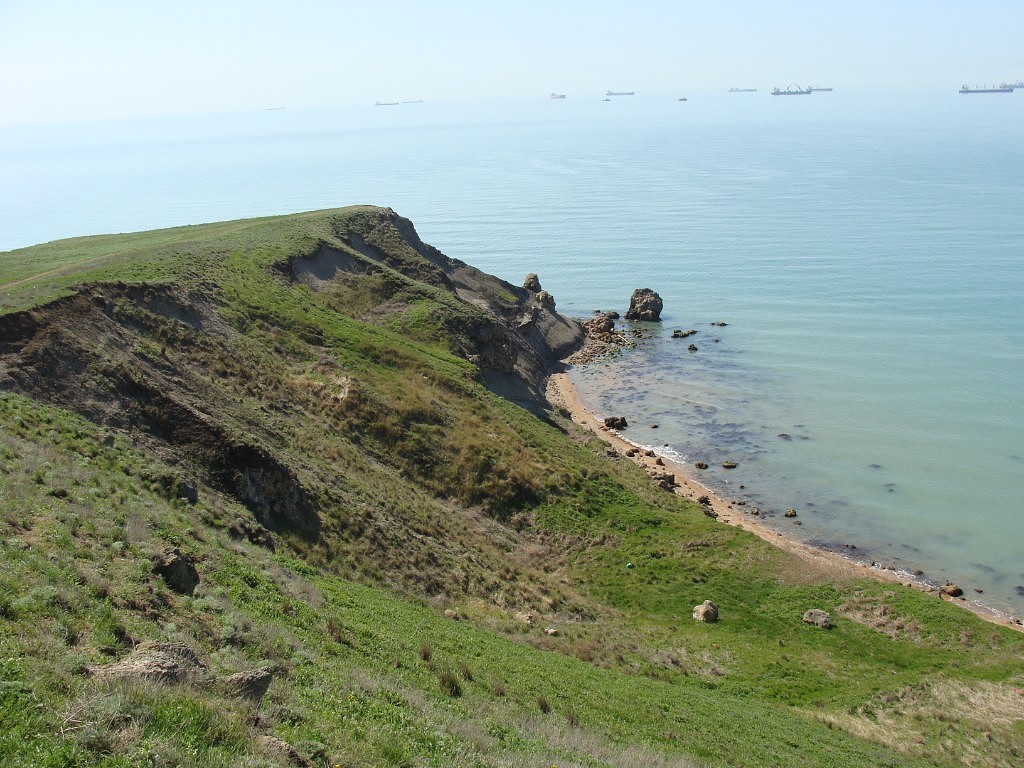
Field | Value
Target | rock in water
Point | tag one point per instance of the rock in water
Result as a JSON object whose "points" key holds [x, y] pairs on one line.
{"points": [[644, 304]]}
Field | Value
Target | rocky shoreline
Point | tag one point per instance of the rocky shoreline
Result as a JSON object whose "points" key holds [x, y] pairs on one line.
{"points": [[601, 338], [676, 478]]}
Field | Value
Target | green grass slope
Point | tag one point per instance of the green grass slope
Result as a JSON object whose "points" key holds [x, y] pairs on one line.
{"points": [[313, 411]]}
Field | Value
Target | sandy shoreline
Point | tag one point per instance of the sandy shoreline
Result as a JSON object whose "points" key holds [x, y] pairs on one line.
{"points": [[562, 392]]}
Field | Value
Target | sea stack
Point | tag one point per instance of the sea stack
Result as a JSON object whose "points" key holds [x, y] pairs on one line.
{"points": [[644, 304]]}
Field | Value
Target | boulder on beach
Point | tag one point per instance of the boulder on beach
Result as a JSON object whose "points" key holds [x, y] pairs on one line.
{"points": [[665, 480], [950, 589], [600, 326]]}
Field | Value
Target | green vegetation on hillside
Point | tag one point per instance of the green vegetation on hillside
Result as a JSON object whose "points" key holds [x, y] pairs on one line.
{"points": [[305, 409]]}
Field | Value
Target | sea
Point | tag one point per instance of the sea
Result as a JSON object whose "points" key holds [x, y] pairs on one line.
{"points": [[852, 263]]}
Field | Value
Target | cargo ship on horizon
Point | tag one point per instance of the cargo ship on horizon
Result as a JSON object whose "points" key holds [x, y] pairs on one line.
{"points": [[993, 89], [620, 93], [791, 91]]}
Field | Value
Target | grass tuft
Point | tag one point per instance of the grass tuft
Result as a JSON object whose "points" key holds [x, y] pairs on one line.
{"points": [[450, 683]]}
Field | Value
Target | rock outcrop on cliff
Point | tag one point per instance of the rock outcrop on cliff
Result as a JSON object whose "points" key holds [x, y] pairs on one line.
{"points": [[512, 334]]}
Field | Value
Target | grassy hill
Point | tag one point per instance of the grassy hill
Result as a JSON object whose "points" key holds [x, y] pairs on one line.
{"points": [[286, 491]]}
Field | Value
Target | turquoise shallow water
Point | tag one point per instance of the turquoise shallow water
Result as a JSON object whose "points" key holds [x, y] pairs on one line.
{"points": [[866, 251]]}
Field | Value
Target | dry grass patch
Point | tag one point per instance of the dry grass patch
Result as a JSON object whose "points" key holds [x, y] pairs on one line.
{"points": [[873, 612], [980, 721]]}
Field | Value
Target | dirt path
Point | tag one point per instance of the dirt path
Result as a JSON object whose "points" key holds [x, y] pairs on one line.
{"points": [[47, 273]]}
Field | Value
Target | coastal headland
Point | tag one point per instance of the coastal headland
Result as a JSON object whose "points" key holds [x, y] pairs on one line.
{"points": [[292, 491]]}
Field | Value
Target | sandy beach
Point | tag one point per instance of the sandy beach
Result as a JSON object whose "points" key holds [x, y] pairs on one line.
{"points": [[562, 392]]}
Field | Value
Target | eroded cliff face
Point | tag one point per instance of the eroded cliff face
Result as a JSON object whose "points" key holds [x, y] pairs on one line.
{"points": [[140, 360], [219, 388], [514, 335]]}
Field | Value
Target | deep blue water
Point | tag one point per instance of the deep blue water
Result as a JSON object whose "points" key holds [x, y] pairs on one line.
{"points": [[865, 249]]}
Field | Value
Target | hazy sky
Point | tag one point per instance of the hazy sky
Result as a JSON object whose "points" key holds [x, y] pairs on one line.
{"points": [[66, 60]]}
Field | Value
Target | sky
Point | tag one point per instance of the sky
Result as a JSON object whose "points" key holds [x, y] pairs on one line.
{"points": [[76, 60]]}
